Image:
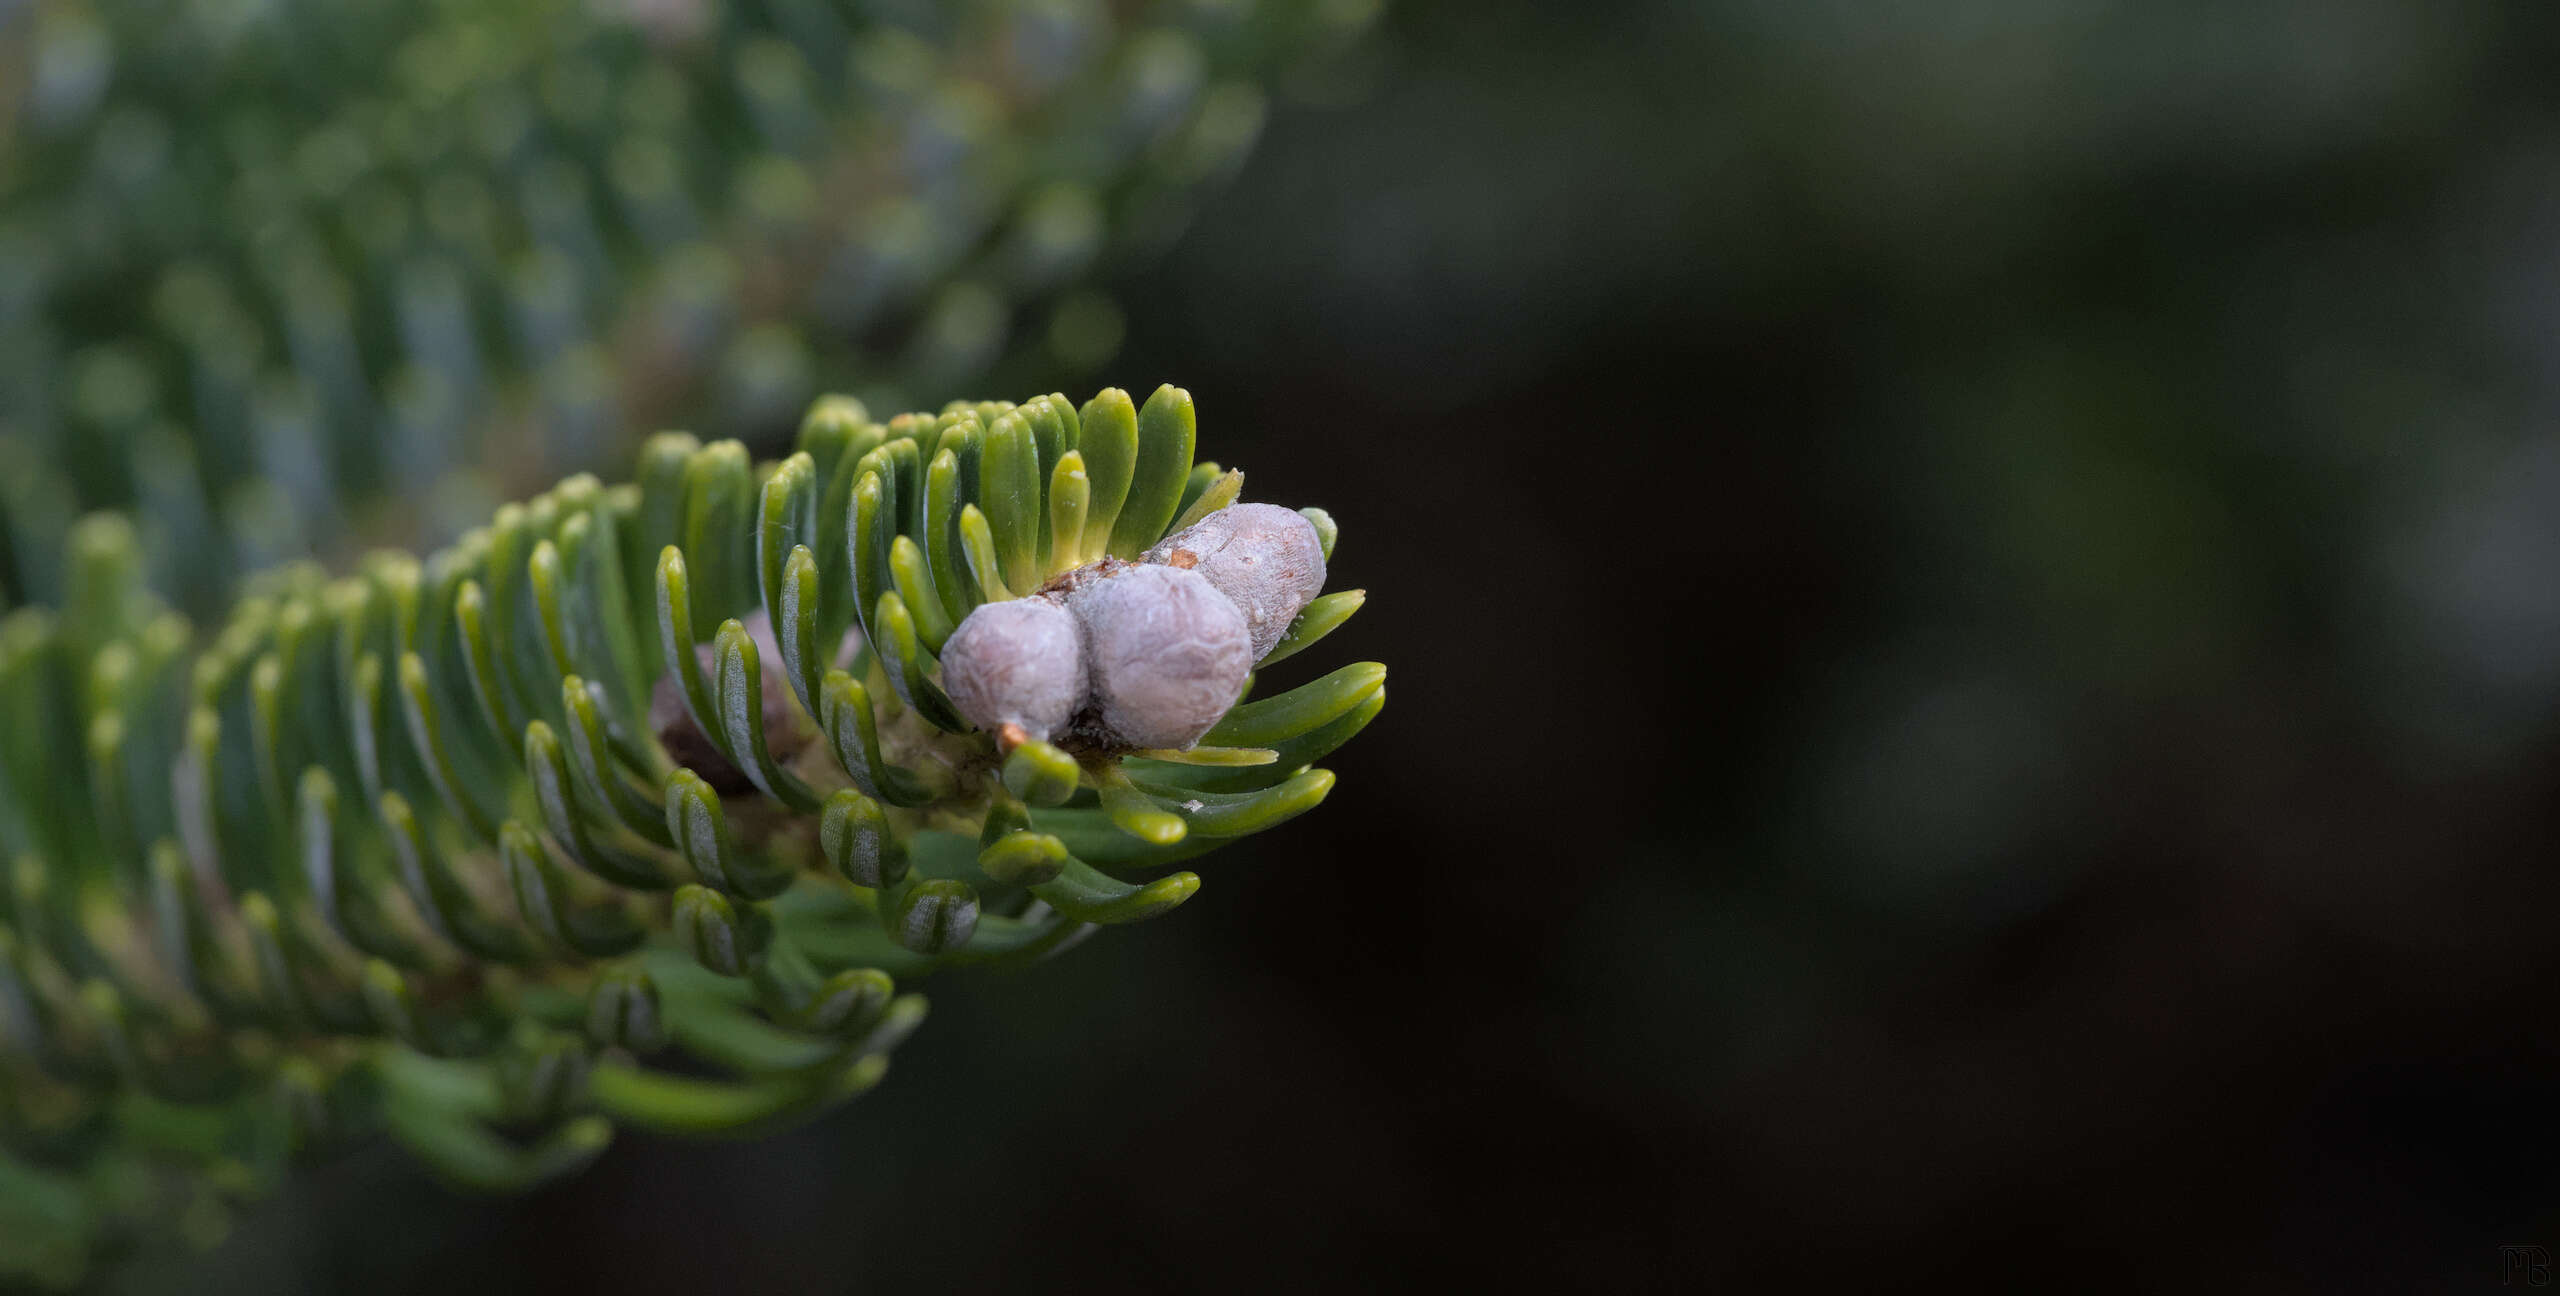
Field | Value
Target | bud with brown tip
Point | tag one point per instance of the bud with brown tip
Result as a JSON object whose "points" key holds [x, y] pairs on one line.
{"points": [[1264, 558]]}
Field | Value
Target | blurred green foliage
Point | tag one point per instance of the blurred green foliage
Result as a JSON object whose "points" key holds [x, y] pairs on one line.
{"points": [[292, 275]]}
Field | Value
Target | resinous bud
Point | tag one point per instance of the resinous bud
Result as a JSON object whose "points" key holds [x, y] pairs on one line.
{"points": [[1266, 559], [1167, 652], [1020, 662]]}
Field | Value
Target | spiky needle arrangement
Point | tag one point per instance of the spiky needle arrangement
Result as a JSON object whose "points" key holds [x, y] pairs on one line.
{"points": [[404, 849]]}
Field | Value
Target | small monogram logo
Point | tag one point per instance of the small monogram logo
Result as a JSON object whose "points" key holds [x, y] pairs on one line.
{"points": [[2524, 1266]]}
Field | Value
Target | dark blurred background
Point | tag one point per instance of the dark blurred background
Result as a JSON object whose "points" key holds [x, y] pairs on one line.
{"points": [[1974, 599]]}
